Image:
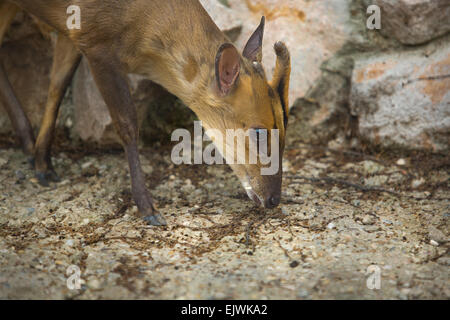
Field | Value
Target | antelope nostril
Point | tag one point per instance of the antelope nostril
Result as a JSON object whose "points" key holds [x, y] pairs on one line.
{"points": [[272, 202], [275, 200]]}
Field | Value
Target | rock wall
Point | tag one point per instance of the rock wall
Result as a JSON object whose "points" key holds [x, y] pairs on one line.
{"points": [[349, 84], [403, 97]]}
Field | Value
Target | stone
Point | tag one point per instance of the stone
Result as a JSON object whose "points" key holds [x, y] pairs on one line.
{"points": [[376, 181], [402, 98], [368, 219], [322, 62], [445, 261], [372, 167], [3, 162], [434, 243], [158, 112], [20, 175], [94, 284], [303, 26], [92, 119], [414, 22], [225, 18], [416, 183], [437, 235], [147, 169], [302, 293]]}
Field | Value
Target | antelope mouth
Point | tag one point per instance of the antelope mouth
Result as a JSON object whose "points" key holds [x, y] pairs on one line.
{"points": [[252, 194]]}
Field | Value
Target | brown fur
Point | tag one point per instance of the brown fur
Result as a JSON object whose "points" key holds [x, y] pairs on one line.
{"points": [[176, 44]]}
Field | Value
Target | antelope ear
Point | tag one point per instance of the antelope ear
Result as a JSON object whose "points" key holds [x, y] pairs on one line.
{"points": [[228, 65], [253, 48], [281, 77]]}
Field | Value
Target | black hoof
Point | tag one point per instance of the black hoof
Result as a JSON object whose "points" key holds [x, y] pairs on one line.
{"points": [[42, 179], [155, 220], [31, 162], [45, 177], [52, 176]]}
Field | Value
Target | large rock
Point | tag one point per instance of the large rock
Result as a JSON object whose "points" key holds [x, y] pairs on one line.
{"points": [[92, 117], [225, 18], [312, 30], [403, 98], [414, 22]]}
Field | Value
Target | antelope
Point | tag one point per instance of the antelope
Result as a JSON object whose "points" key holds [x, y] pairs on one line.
{"points": [[174, 43]]}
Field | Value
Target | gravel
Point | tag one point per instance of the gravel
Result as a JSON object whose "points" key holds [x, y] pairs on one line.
{"points": [[319, 244]]}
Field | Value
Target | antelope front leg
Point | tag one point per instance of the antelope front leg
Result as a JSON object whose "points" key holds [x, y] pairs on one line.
{"points": [[113, 85]]}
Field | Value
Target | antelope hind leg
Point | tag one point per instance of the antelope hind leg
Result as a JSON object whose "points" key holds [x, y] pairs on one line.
{"points": [[65, 62], [8, 98]]}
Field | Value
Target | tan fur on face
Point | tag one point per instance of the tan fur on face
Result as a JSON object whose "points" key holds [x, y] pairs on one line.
{"points": [[254, 103], [190, 69]]}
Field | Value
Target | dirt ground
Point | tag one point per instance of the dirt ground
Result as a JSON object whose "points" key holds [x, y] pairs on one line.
{"points": [[335, 229]]}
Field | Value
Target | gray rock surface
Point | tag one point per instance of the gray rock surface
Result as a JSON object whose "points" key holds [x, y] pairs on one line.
{"points": [[414, 22], [404, 97], [92, 118], [313, 31], [225, 18]]}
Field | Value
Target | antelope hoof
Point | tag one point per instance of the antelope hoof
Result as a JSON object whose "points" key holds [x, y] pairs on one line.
{"points": [[45, 177], [155, 220]]}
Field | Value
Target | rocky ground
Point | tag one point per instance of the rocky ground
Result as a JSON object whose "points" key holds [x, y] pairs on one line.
{"points": [[334, 223]]}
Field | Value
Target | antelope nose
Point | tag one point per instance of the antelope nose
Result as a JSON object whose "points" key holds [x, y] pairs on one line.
{"points": [[272, 202]]}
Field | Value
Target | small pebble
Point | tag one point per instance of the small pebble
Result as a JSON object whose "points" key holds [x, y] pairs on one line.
{"points": [[417, 183], [368, 220], [3, 162], [445, 261], [86, 165], [302, 293], [147, 169], [20, 175], [94, 284], [69, 123], [436, 235], [434, 243]]}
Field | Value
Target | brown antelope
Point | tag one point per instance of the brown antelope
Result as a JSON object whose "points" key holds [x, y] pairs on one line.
{"points": [[174, 43]]}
